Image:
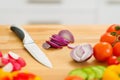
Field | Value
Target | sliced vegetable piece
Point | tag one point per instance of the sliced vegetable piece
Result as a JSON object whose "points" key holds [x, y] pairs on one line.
{"points": [[13, 55], [91, 74], [66, 34], [46, 45], [54, 45], [78, 72], [21, 61], [8, 67], [1, 54], [61, 41]]}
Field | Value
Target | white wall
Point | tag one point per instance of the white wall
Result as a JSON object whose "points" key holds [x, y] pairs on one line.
{"points": [[59, 11]]}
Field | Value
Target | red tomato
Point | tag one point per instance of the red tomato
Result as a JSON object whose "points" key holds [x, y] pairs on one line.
{"points": [[73, 78], [116, 49], [102, 51], [113, 60], [114, 28], [107, 37]]}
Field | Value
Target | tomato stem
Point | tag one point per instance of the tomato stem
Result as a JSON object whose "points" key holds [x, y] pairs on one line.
{"points": [[113, 33], [117, 28]]}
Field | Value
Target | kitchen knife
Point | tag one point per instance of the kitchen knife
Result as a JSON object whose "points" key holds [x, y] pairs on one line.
{"points": [[31, 47]]}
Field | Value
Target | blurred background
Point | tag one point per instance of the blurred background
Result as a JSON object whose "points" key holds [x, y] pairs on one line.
{"points": [[71, 12]]}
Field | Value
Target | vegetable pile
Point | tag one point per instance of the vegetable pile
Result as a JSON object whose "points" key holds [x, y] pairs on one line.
{"points": [[10, 66], [108, 49], [11, 62], [63, 38]]}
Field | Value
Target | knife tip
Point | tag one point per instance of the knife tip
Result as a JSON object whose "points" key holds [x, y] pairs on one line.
{"points": [[49, 66]]}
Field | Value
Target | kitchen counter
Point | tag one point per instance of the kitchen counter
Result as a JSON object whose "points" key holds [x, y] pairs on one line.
{"points": [[60, 58]]}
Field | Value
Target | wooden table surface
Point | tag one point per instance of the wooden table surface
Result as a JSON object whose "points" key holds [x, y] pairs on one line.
{"points": [[60, 58]]}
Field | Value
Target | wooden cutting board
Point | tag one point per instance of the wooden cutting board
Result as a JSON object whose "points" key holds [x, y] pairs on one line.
{"points": [[60, 58]]}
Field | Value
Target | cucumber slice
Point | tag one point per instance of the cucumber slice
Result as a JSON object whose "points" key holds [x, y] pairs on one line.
{"points": [[102, 67], [98, 72], [78, 72], [91, 74]]}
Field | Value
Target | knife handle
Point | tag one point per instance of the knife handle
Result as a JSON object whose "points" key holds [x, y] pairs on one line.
{"points": [[22, 34], [18, 31]]}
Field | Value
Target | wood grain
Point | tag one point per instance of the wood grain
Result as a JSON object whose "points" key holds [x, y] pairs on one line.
{"points": [[60, 58]]}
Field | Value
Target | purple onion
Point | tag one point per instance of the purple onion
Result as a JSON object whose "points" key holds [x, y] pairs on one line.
{"points": [[66, 35]]}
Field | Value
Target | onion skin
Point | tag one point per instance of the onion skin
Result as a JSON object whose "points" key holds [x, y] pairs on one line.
{"points": [[82, 53]]}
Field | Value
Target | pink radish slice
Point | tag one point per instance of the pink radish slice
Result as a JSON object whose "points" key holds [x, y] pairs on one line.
{"points": [[13, 55], [53, 44], [16, 66], [8, 67], [46, 45], [21, 61], [1, 64], [66, 35], [1, 54], [6, 56], [4, 61]]}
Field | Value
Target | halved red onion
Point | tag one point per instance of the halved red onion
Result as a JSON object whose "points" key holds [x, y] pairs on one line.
{"points": [[82, 52], [66, 35]]}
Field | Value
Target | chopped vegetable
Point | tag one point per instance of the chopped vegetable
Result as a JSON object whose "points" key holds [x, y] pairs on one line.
{"points": [[63, 38], [82, 52], [12, 62], [53, 44], [46, 45], [66, 35]]}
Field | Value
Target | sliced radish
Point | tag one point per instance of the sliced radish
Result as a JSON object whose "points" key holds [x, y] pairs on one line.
{"points": [[8, 67], [1, 64], [6, 56], [21, 61], [16, 66], [4, 61], [1, 54], [13, 55]]}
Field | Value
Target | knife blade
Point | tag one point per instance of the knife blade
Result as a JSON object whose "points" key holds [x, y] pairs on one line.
{"points": [[31, 46]]}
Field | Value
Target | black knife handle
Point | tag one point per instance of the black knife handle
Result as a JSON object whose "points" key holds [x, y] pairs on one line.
{"points": [[18, 31]]}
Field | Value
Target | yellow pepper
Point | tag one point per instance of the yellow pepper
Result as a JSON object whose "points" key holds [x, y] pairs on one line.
{"points": [[112, 73]]}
